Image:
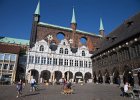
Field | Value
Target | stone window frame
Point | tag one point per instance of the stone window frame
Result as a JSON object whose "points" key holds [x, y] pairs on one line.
{"points": [[41, 48], [61, 51], [66, 51], [83, 53]]}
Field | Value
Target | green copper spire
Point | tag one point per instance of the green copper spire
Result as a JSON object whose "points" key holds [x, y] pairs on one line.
{"points": [[101, 25], [37, 11], [73, 20]]}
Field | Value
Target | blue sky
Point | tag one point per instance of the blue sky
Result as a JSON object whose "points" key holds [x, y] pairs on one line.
{"points": [[16, 15]]}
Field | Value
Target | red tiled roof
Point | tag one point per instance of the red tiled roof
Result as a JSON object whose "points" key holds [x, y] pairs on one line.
{"points": [[4, 48]]}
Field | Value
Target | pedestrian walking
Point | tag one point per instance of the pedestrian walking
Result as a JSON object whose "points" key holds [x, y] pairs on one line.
{"points": [[19, 88]]}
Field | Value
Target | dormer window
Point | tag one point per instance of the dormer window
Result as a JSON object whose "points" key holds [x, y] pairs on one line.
{"points": [[61, 50], [83, 53], [107, 38], [66, 51], [129, 23], [114, 38], [41, 48]]}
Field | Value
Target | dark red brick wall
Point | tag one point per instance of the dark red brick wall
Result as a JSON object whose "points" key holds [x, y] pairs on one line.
{"points": [[44, 31]]}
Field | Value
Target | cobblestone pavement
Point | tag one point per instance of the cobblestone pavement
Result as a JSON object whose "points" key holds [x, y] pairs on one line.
{"points": [[81, 92]]}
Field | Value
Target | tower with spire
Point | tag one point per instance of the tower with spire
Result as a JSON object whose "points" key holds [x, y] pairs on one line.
{"points": [[73, 27], [101, 29], [73, 21], [36, 19]]}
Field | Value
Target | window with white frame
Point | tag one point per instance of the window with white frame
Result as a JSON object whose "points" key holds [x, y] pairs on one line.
{"points": [[71, 62], [5, 66], [43, 60], [76, 63], [37, 60], [83, 53], [85, 63], [1, 57], [49, 61], [81, 63], [41, 48], [90, 65], [66, 51], [54, 61], [61, 50], [60, 62], [7, 57], [31, 59], [66, 62], [13, 57]]}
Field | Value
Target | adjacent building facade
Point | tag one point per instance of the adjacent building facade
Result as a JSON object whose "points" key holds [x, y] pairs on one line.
{"points": [[11, 50], [118, 54], [59, 52]]}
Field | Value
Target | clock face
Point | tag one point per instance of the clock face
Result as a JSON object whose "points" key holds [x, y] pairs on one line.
{"points": [[36, 19]]}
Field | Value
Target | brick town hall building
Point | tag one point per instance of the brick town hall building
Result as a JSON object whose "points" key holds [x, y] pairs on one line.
{"points": [[51, 58]]}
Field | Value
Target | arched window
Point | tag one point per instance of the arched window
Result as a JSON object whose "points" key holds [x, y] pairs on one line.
{"points": [[83, 53], [41, 48], [61, 50], [66, 51]]}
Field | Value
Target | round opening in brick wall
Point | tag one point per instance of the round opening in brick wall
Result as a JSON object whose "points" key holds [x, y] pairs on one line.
{"points": [[60, 36], [83, 40]]}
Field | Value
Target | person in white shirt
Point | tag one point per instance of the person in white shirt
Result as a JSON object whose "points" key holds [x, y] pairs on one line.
{"points": [[128, 89], [33, 82]]}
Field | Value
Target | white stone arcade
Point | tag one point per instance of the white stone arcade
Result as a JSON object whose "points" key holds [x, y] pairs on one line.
{"points": [[50, 64]]}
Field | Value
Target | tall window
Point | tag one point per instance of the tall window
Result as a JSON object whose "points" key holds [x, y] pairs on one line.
{"points": [[60, 62], [66, 62], [37, 60], [31, 59], [13, 57], [81, 63], [41, 48], [61, 50], [1, 57], [43, 60], [76, 63], [85, 63], [83, 53], [89, 64], [49, 61], [66, 51], [71, 62], [7, 57], [54, 61]]}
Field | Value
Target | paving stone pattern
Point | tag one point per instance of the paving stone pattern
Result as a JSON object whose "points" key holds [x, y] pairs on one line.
{"points": [[53, 92]]}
